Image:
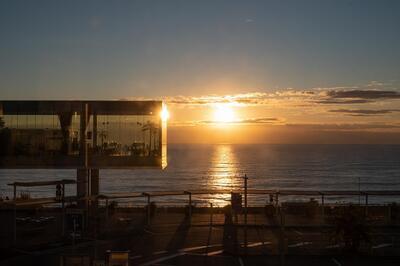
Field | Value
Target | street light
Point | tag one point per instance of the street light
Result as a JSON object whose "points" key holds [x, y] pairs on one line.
{"points": [[245, 212]]}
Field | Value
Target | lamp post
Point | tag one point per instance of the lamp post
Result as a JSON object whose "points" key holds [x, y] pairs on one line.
{"points": [[245, 213]]}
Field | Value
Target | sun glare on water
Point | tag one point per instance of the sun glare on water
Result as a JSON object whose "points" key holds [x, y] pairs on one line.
{"points": [[223, 113]]}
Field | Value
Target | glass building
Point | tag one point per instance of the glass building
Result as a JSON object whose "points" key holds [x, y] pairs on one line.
{"points": [[82, 134]]}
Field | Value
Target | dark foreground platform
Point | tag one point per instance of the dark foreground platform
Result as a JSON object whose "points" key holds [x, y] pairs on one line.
{"points": [[214, 237]]}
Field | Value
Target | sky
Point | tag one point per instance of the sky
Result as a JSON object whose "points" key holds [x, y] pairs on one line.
{"points": [[235, 71]]}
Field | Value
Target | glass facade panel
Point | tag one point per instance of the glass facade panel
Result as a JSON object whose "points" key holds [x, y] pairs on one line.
{"points": [[125, 135], [70, 134]]}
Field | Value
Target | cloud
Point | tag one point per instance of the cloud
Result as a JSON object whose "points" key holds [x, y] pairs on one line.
{"points": [[347, 126], [262, 120], [364, 112], [248, 121], [356, 96], [244, 99], [339, 101], [371, 92], [364, 94]]}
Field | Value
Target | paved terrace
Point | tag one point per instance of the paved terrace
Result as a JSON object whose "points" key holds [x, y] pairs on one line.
{"points": [[170, 236], [208, 237]]}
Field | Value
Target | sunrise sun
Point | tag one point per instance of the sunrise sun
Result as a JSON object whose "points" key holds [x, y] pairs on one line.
{"points": [[223, 113]]}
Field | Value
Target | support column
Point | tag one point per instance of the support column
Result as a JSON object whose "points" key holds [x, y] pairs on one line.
{"points": [[82, 186], [94, 182], [148, 209], [94, 185], [82, 176], [84, 121]]}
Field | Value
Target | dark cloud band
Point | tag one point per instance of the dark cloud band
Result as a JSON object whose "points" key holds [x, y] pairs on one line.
{"points": [[364, 112]]}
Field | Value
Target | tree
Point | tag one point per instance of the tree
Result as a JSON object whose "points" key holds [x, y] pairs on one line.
{"points": [[351, 229]]}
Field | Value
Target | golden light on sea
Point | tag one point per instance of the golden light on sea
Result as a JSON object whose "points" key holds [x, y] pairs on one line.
{"points": [[223, 172]]}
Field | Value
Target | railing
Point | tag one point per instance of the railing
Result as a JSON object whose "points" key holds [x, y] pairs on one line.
{"points": [[191, 193]]}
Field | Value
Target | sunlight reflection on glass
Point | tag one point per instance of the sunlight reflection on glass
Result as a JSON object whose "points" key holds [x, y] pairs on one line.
{"points": [[223, 173]]}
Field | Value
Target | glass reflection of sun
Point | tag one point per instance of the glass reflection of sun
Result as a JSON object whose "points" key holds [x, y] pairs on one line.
{"points": [[223, 113], [164, 113]]}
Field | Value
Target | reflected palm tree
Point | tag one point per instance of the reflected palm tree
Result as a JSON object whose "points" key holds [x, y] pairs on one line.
{"points": [[152, 128], [103, 136]]}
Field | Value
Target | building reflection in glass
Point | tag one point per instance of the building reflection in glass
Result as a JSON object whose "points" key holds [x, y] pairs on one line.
{"points": [[99, 134]]}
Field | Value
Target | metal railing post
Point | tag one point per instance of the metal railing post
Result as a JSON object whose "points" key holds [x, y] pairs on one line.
{"points": [[323, 208], [148, 209], [63, 211], [190, 207], [15, 224], [106, 211], [211, 215]]}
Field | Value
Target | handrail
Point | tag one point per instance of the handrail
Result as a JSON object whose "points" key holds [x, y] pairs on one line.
{"points": [[51, 200]]}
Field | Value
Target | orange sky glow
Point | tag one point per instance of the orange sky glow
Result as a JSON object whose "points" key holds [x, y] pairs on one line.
{"points": [[364, 114]]}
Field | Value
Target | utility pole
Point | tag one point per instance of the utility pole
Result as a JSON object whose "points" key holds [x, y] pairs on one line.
{"points": [[282, 240], [245, 213]]}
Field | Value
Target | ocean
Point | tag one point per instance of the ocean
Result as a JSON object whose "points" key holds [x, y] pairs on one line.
{"points": [[222, 166]]}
